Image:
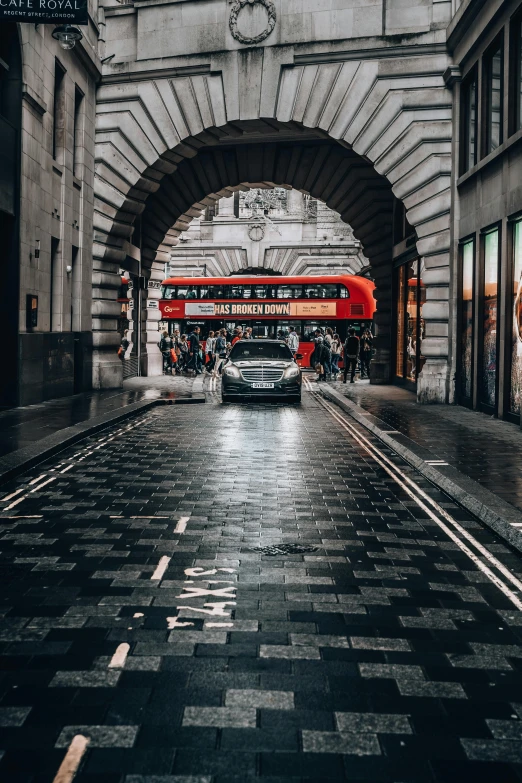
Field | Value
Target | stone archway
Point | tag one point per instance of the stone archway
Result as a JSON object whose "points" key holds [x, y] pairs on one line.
{"points": [[351, 133]]}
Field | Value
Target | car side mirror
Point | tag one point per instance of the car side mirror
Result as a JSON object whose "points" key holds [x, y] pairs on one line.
{"points": [[298, 356]]}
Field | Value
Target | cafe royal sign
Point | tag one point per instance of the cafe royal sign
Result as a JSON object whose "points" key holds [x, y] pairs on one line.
{"points": [[44, 11]]}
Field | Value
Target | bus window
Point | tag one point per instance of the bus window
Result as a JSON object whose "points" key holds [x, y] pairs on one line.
{"points": [[168, 291], [216, 292], [239, 292], [260, 292], [264, 330], [182, 292], [343, 292], [192, 292], [203, 291], [290, 291]]}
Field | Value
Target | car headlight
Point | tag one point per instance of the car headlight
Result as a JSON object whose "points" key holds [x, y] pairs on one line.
{"points": [[231, 371], [292, 371]]}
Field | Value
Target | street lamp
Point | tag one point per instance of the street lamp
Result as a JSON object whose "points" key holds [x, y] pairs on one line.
{"points": [[67, 36]]}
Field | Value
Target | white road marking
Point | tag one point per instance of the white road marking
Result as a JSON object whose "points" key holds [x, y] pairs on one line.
{"points": [[37, 479], [161, 568], [15, 503], [73, 757], [67, 468], [219, 625], [182, 524], [120, 656], [416, 493], [13, 495], [172, 622], [36, 489]]}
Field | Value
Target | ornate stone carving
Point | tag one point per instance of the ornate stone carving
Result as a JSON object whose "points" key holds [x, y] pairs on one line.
{"points": [[234, 14], [256, 232]]}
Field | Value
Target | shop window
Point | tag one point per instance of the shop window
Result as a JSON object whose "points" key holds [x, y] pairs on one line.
{"points": [[467, 260], [493, 99], [488, 378], [516, 321], [468, 111], [58, 136], [411, 294]]}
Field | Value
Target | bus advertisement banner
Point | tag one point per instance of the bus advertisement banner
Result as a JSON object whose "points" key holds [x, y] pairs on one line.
{"points": [[296, 309]]}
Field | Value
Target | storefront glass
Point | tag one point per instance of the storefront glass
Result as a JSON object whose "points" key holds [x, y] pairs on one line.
{"points": [[489, 320], [401, 309], [466, 323], [516, 320]]}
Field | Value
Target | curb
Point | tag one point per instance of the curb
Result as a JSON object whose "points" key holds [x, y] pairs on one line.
{"points": [[17, 462], [494, 512]]}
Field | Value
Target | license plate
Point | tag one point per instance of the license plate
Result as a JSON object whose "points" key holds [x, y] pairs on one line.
{"points": [[262, 385]]}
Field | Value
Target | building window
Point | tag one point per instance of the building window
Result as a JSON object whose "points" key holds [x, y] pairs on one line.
{"points": [[488, 379], [469, 123], [58, 111], [467, 258], [77, 132], [493, 98], [516, 321], [515, 74], [54, 282]]}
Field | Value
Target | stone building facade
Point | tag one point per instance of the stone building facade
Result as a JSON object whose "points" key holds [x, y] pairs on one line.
{"points": [[359, 106], [47, 115]]}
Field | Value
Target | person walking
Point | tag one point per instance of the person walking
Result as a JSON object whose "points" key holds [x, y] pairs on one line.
{"points": [[336, 349], [220, 352], [248, 333], [176, 339], [193, 342], [209, 351], [183, 353], [238, 335], [366, 353], [293, 341], [320, 359], [165, 346], [351, 355]]}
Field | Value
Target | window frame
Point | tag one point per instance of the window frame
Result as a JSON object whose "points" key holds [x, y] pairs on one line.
{"points": [[467, 401], [479, 319], [515, 74], [470, 79], [486, 96]]}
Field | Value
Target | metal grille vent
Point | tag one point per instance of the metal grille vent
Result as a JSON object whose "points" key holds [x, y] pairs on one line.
{"points": [[262, 374], [284, 549], [356, 309]]}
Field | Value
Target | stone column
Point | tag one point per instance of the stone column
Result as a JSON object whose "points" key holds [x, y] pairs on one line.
{"points": [[107, 367], [226, 208], [151, 358], [294, 202]]}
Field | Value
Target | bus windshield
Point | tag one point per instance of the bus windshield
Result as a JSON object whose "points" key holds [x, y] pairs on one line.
{"points": [[248, 349]]}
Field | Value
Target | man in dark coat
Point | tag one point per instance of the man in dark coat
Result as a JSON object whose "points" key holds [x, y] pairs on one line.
{"points": [[321, 355], [351, 355], [193, 341]]}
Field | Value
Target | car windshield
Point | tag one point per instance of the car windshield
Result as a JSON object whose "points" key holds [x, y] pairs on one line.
{"points": [[249, 349]]}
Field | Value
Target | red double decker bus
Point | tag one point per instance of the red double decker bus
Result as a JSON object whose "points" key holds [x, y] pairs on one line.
{"points": [[269, 305]]}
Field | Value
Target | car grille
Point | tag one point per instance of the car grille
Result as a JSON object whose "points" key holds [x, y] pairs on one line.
{"points": [[262, 374]]}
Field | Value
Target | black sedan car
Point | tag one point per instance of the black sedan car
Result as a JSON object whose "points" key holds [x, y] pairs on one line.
{"points": [[259, 368]]}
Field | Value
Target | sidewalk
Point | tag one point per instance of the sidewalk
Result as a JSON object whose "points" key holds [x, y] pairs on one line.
{"points": [[29, 433], [480, 456]]}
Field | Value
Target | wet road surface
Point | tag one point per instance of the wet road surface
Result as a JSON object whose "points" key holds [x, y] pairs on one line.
{"points": [[252, 592]]}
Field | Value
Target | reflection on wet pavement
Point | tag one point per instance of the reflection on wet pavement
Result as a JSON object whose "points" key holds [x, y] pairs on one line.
{"points": [[20, 427], [484, 448]]}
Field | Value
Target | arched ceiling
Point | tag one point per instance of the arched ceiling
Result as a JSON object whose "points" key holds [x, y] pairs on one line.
{"points": [[341, 178]]}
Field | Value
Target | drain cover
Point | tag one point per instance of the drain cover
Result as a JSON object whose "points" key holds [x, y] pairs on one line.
{"points": [[284, 549]]}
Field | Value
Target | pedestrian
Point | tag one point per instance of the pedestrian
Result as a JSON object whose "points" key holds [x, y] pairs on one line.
{"points": [[238, 335], [293, 341], [176, 339], [336, 348], [319, 358], [248, 333], [183, 353], [124, 345], [220, 352], [366, 353], [209, 350], [194, 347], [165, 346], [328, 340], [351, 355]]}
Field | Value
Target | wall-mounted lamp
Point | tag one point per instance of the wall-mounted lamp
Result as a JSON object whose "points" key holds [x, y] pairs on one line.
{"points": [[37, 249], [68, 269], [67, 36]]}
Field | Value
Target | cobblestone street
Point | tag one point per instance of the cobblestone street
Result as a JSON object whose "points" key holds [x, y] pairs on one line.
{"points": [[221, 594]]}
